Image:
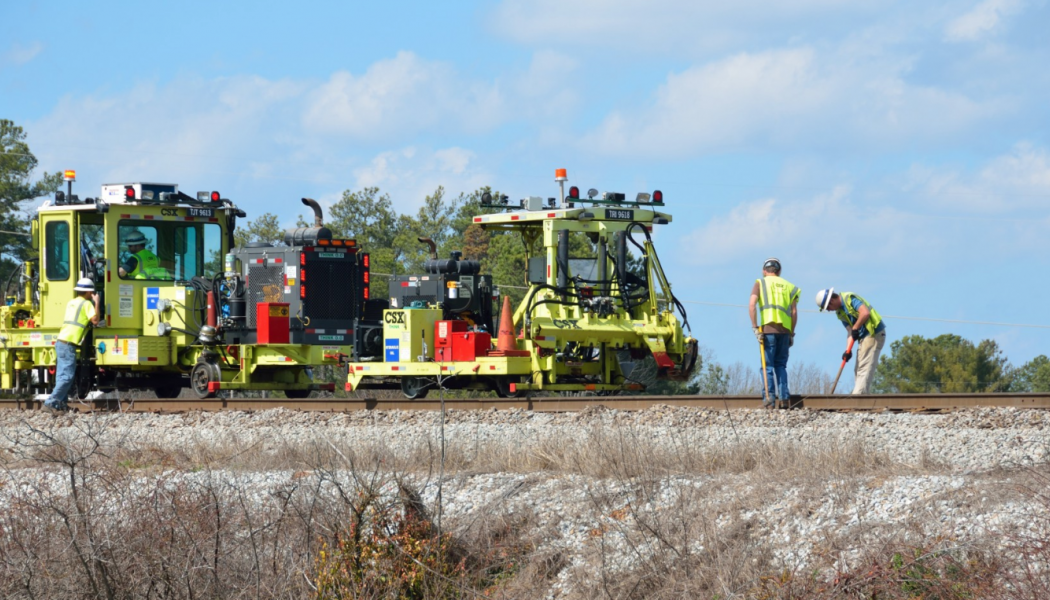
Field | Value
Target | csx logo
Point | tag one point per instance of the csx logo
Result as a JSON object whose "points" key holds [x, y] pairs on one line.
{"points": [[169, 212], [394, 317]]}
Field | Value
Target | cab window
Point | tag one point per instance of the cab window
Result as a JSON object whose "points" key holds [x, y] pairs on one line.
{"points": [[56, 238], [169, 250]]}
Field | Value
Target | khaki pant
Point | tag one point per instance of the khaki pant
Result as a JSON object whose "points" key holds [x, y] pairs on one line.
{"points": [[867, 361]]}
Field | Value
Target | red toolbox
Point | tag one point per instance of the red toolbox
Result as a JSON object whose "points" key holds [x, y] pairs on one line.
{"points": [[272, 322], [443, 333], [469, 346]]}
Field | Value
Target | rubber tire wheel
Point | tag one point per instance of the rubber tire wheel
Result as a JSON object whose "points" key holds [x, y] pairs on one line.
{"points": [[82, 382], [415, 388], [297, 394], [168, 391], [202, 374]]}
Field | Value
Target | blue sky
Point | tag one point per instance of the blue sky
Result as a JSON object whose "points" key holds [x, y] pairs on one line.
{"points": [[898, 150]]}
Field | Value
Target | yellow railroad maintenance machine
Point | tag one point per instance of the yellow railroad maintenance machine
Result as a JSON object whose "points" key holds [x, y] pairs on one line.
{"points": [[193, 311], [598, 303]]}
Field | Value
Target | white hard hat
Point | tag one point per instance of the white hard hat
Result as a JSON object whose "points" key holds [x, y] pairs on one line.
{"points": [[823, 297], [135, 238], [85, 284], [772, 264]]}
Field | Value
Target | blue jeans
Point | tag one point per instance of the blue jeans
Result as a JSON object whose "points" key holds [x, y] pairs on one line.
{"points": [[65, 369], [777, 346]]}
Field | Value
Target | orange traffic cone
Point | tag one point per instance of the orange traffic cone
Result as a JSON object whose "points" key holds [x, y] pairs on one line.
{"points": [[505, 343]]}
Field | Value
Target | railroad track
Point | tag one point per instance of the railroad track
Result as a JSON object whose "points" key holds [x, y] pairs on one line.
{"points": [[873, 402]]}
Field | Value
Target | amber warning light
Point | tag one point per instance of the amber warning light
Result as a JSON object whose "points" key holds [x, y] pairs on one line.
{"points": [[69, 175]]}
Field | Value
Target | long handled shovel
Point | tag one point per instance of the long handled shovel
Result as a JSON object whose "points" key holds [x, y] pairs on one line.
{"points": [[765, 376], [849, 349]]}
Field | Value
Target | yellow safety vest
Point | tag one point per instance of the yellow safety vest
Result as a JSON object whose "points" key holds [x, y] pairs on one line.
{"points": [[849, 315], [775, 297], [146, 266], [79, 313]]}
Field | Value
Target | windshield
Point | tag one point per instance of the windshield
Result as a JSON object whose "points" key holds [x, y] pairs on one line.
{"points": [[169, 250]]}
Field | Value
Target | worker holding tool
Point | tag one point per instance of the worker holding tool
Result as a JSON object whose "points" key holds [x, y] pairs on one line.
{"points": [[865, 327], [774, 313], [82, 312]]}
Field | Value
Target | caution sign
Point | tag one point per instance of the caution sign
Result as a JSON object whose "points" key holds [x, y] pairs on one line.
{"points": [[280, 310]]}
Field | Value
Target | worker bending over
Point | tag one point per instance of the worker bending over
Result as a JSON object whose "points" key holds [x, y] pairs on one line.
{"points": [[864, 325], [774, 313]]}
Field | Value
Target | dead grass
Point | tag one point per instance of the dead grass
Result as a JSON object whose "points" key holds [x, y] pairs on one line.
{"points": [[91, 518]]}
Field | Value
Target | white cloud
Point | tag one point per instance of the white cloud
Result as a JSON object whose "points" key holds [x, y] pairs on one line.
{"points": [[410, 174], [19, 55], [793, 98], [403, 94], [981, 20], [1019, 180]]}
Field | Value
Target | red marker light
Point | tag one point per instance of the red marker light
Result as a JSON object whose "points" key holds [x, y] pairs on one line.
{"points": [[364, 260], [574, 193], [658, 196], [129, 192], [215, 196]]}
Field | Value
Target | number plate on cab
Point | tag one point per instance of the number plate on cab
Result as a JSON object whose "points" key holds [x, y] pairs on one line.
{"points": [[201, 212], [619, 214]]}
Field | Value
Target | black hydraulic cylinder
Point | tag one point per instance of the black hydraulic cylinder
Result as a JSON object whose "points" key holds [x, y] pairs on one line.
{"points": [[603, 267], [563, 261], [620, 239]]}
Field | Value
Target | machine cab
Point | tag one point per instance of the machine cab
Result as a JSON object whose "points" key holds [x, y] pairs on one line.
{"points": [[133, 238]]}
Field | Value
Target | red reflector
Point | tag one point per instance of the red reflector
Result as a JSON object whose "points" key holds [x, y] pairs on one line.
{"points": [[125, 216], [278, 260], [477, 219], [513, 388], [214, 386], [492, 367], [548, 271], [213, 220], [394, 368], [551, 214], [360, 368], [109, 276], [515, 217], [404, 284], [590, 387], [328, 387], [151, 359], [349, 387]]}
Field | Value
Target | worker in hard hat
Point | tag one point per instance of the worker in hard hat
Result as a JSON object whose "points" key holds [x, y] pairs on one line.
{"points": [[864, 325], [141, 263], [81, 312], [774, 314]]}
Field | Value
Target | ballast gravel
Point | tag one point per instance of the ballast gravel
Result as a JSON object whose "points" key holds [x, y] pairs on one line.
{"points": [[945, 472]]}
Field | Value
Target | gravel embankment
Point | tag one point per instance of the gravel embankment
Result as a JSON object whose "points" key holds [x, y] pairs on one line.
{"points": [[954, 475]]}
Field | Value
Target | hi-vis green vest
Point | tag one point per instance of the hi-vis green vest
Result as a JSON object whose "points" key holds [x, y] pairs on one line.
{"points": [[775, 297], [78, 314], [146, 266], [849, 315]]}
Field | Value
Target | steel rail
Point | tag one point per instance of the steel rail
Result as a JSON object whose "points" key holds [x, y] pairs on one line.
{"points": [[873, 402]]}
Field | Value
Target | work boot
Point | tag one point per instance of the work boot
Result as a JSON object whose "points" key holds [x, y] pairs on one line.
{"points": [[55, 410]]}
